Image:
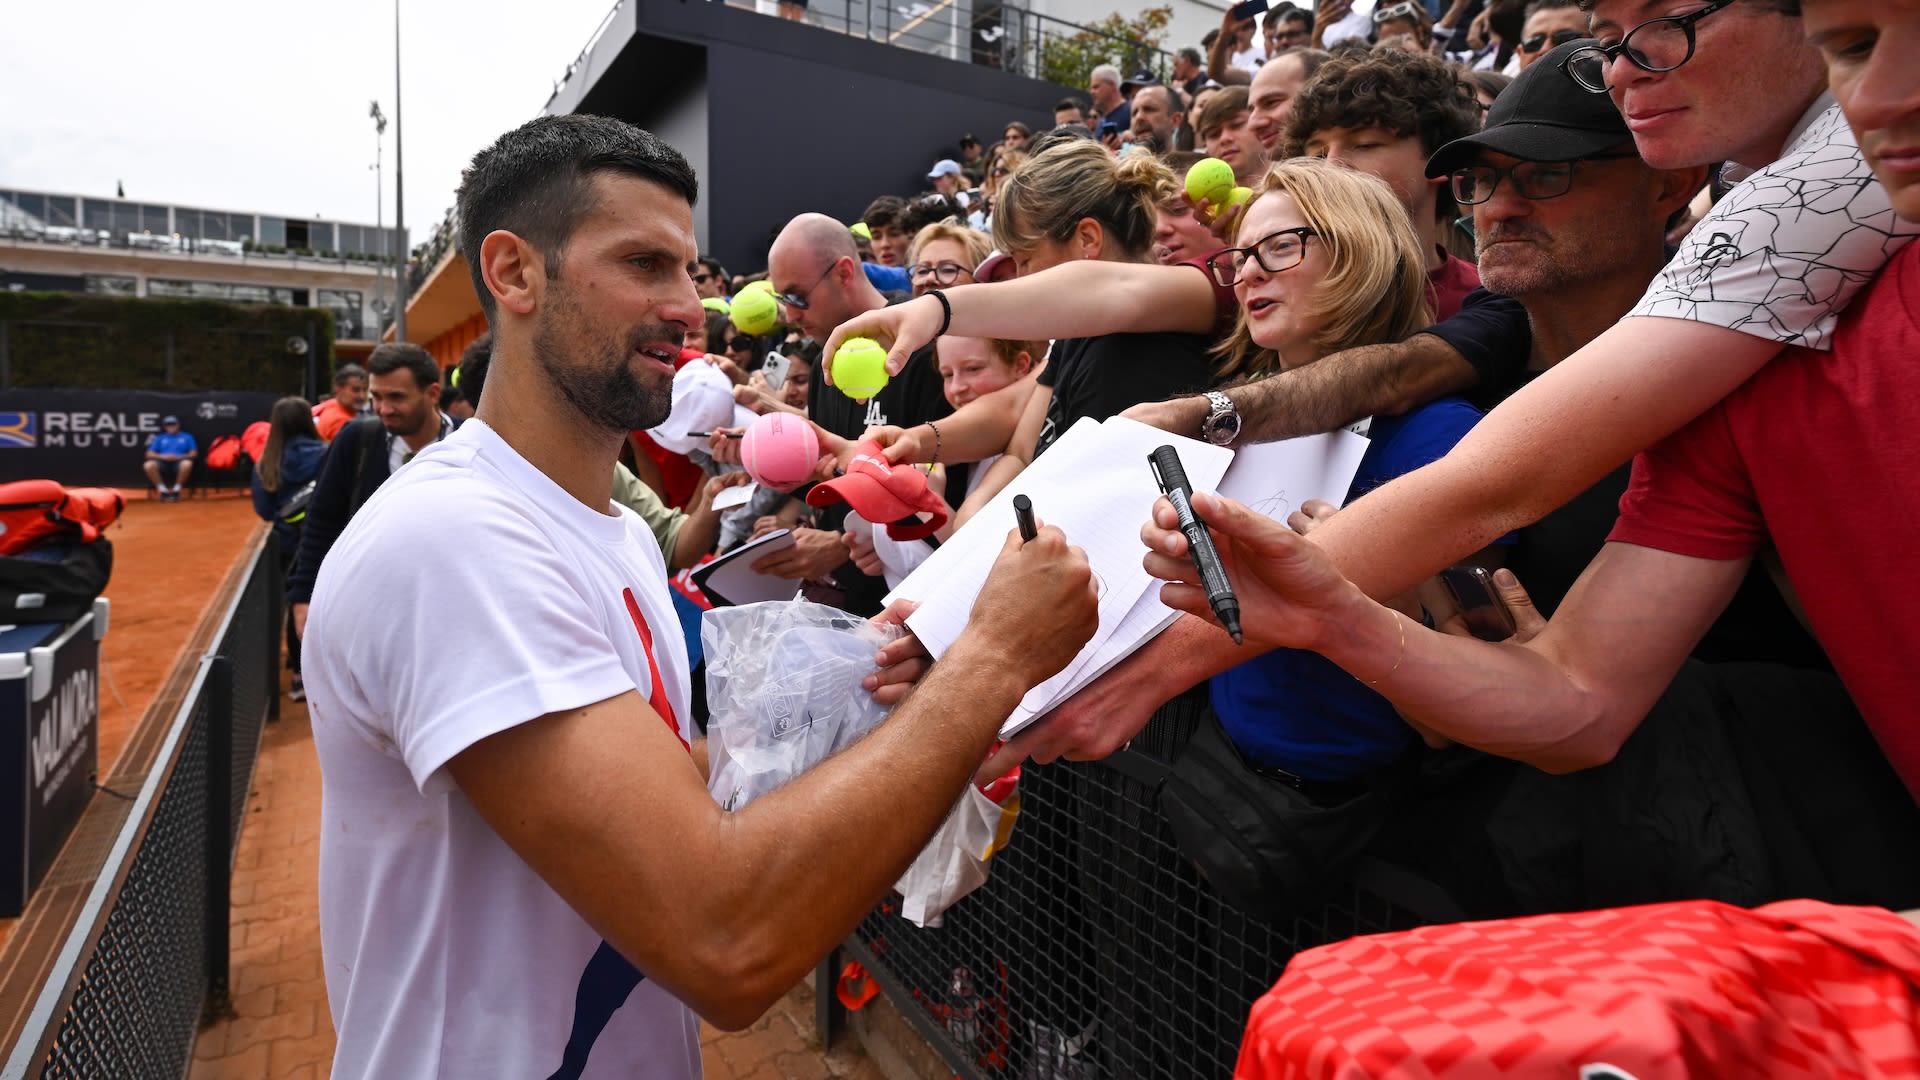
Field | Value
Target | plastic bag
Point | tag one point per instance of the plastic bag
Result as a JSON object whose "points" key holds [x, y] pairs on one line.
{"points": [[954, 862], [784, 690]]}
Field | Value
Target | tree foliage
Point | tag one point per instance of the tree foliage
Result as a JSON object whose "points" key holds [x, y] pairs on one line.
{"points": [[1128, 44]]}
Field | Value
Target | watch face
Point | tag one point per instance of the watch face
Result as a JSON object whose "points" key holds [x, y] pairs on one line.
{"points": [[1222, 427]]}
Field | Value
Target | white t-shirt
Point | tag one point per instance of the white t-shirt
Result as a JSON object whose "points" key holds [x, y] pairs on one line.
{"points": [[1249, 59], [1782, 254], [469, 595]]}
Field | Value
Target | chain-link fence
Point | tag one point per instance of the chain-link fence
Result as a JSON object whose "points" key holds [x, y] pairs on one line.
{"points": [[1094, 951], [147, 958]]}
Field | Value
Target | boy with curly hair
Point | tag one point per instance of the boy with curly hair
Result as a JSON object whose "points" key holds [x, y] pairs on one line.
{"points": [[1385, 113]]}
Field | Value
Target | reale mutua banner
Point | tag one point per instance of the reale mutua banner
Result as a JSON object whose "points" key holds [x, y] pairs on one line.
{"points": [[98, 438]]}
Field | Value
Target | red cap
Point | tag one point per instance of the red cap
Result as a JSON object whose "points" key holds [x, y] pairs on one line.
{"points": [[881, 492]]}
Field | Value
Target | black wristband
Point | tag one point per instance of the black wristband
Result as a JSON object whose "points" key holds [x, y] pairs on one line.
{"points": [[946, 307]]}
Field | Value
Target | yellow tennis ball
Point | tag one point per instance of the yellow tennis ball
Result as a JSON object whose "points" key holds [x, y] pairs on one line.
{"points": [[755, 312], [763, 285], [1239, 197], [715, 303], [1210, 179], [859, 229], [860, 368]]}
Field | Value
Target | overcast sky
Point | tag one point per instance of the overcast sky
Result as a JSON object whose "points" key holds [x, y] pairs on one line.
{"points": [[244, 105]]}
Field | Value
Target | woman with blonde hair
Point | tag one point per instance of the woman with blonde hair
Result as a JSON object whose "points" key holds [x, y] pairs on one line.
{"points": [[945, 254], [1327, 259]]}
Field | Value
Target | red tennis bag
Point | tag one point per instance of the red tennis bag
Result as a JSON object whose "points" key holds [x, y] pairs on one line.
{"points": [[35, 511], [1691, 989]]}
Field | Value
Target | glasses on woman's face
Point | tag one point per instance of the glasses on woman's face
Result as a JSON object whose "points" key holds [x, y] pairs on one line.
{"points": [[1275, 252], [1654, 45], [1531, 179], [943, 274], [1536, 42]]}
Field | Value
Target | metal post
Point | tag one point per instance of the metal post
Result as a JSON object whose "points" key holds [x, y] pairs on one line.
{"points": [[829, 1016], [218, 718], [399, 195]]}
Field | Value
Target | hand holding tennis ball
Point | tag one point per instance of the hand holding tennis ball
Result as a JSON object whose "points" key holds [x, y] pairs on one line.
{"points": [[860, 368], [1210, 179]]}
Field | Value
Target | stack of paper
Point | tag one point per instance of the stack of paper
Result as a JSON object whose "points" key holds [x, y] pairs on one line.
{"points": [[1095, 485]]}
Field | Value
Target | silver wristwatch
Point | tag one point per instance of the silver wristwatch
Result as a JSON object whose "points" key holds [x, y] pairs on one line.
{"points": [[1222, 425]]}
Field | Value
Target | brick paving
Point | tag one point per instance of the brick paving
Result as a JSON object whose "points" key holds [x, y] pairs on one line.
{"points": [[281, 1028]]}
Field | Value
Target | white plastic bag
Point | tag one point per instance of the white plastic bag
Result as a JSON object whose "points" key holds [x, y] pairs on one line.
{"points": [[784, 690], [954, 862]]}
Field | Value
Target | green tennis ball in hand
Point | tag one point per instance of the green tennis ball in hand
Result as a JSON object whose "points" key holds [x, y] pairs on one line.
{"points": [[1210, 179], [763, 285], [860, 368], [755, 312], [1238, 197], [715, 303]]}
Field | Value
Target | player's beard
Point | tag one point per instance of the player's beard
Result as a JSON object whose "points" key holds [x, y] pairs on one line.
{"points": [[598, 377]]}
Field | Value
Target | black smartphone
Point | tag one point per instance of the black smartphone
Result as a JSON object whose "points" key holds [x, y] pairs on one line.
{"points": [[1249, 9], [1486, 615]]}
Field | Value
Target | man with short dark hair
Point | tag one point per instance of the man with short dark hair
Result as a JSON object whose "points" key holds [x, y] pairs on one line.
{"points": [[1070, 110], [1156, 118], [169, 463], [407, 418], [522, 870], [348, 401], [885, 218], [1270, 96], [709, 278]]}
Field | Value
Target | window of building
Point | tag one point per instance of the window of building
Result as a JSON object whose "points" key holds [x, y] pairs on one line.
{"points": [[348, 310], [217, 290], [113, 285], [273, 230]]}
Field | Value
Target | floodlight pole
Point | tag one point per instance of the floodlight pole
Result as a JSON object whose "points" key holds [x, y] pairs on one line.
{"points": [[399, 195]]}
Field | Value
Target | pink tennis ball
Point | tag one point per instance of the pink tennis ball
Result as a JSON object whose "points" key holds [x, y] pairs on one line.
{"points": [[780, 450]]}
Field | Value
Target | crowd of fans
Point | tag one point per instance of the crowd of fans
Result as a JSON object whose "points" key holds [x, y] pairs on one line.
{"points": [[1619, 297]]}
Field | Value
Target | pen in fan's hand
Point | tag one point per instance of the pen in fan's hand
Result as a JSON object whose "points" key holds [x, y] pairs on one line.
{"points": [[1172, 477]]}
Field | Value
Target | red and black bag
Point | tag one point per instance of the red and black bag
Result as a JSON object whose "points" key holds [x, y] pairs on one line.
{"points": [[53, 559]]}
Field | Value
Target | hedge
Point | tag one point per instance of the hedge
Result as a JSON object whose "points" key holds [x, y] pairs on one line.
{"points": [[83, 341]]}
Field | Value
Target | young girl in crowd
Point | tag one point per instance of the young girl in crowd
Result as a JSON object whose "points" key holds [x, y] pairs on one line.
{"points": [[969, 367]]}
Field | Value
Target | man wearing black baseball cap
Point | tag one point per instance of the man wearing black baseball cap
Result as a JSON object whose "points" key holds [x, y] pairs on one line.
{"points": [[1570, 221]]}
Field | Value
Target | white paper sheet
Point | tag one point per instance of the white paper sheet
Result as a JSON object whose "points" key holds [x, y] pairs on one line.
{"points": [[735, 496], [1276, 478], [1096, 486]]}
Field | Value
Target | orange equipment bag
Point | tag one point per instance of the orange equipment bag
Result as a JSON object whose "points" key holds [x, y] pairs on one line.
{"points": [[35, 511]]}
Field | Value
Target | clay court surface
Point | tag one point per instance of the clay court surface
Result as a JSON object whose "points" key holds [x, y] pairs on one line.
{"points": [[169, 562]]}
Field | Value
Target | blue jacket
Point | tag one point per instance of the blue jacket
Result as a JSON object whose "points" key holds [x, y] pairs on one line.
{"points": [[299, 463]]}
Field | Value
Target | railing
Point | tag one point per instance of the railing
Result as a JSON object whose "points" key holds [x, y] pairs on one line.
{"points": [[1094, 951], [66, 236], [147, 958]]}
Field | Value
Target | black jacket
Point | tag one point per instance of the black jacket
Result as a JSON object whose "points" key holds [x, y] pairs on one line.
{"points": [[356, 467]]}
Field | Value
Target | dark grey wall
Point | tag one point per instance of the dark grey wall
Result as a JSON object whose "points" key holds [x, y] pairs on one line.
{"points": [[796, 118]]}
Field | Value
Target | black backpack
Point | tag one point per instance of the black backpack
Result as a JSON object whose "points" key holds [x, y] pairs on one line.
{"points": [[56, 581]]}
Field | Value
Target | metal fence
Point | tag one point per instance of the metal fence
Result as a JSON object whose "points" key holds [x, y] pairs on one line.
{"points": [[1094, 951], [995, 35], [147, 958]]}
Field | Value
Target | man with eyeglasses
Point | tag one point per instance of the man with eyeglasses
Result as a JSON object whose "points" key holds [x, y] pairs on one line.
{"points": [[816, 276]]}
